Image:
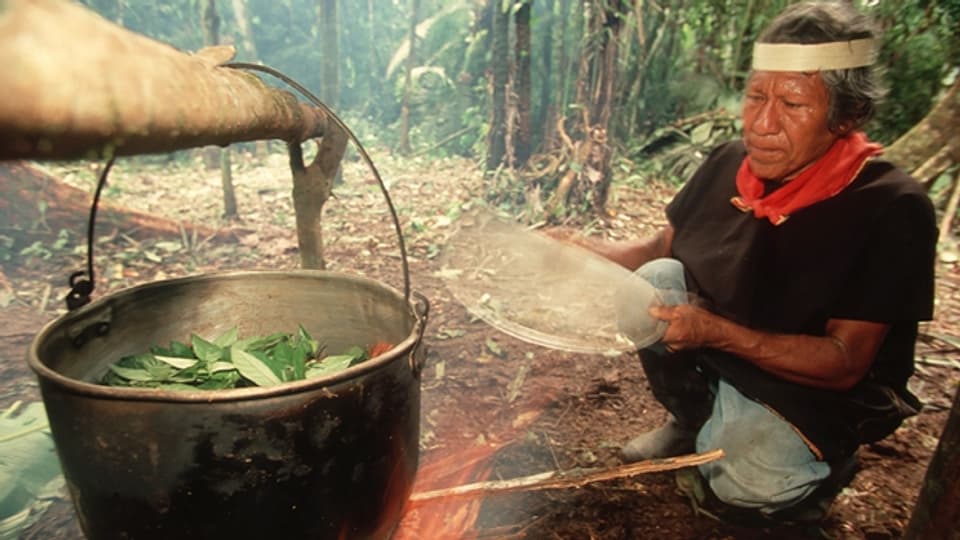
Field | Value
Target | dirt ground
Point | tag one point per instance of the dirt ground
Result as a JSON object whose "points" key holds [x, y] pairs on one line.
{"points": [[523, 408]]}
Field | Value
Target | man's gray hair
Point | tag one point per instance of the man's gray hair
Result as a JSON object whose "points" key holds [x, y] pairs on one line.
{"points": [[854, 92]]}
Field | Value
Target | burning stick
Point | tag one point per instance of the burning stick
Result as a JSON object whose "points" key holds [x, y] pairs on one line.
{"points": [[560, 480]]}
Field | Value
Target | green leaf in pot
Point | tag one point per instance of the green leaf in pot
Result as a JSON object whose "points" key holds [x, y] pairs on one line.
{"points": [[259, 343], [230, 362], [335, 363], [132, 374], [222, 380], [176, 362], [253, 368], [206, 351], [228, 338]]}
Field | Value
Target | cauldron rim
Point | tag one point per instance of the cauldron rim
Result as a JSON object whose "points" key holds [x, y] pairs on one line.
{"points": [[77, 386]]}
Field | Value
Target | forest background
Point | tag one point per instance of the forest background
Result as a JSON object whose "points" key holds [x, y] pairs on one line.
{"points": [[556, 98], [553, 101]]}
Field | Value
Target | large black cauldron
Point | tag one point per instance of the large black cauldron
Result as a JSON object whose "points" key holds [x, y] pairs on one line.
{"points": [[324, 458]]}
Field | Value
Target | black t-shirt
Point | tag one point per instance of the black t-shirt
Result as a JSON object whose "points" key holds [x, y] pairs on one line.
{"points": [[865, 254]]}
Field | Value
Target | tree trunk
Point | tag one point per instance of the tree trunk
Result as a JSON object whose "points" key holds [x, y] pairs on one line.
{"points": [[599, 160], [211, 36], [312, 187], [243, 26], [523, 140], [481, 35], [657, 30], [404, 144], [583, 82], [77, 86], [936, 514], [566, 62], [735, 64], [330, 79], [607, 69], [226, 179], [936, 132], [499, 74], [210, 20], [587, 181], [250, 46], [374, 61], [563, 67], [36, 205], [210, 24], [549, 88]]}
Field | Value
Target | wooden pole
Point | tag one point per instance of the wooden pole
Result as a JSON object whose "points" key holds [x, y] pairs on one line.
{"points": [[557, 480], [78, 86], [937, 512]]}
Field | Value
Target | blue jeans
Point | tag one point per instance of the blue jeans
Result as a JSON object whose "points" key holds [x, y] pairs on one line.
{"points": [[767, 465]]}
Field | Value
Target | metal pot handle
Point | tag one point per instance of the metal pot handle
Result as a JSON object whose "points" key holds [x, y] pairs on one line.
{"points": [[418, 355], [82, 283], [363, 152]]}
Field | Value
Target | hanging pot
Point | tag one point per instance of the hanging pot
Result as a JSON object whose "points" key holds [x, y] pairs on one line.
{"points": [[332, 457]]}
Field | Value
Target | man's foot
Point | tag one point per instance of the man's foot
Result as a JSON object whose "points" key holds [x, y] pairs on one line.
{"points": [[816, 506], [670, 439], [806, 517]]}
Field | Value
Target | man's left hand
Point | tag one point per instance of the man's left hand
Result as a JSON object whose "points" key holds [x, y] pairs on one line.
{"points": [[688, 327]]}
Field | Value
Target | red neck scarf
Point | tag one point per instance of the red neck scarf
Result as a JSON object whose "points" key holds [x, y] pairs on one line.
{"points": [[823, 179]]}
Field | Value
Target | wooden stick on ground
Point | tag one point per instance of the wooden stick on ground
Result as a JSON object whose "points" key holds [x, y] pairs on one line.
{"points": [[558, 480], [945, 361]]}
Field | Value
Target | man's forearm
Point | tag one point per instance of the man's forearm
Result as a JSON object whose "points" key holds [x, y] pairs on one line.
{"points": [[823, 362], [633, 253], [837, 360]]}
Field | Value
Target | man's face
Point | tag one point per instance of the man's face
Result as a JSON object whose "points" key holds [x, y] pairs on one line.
{"points": [[785, 122]]}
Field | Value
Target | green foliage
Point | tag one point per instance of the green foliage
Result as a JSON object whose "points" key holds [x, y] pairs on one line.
{"points": [[438, 97], [230, 362], [286, 37], [30, 476], [368, 131], [441, 39], [440, 108], [674, 152], [706, 73], [172, 21], [920, 48], [38, 248], [508, 193], [474, 121], [678, 60], [429, 86], [7, 244]]}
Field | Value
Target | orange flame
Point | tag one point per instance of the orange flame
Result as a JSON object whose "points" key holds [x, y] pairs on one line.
{"points": [[447, 467], [453, 519]]}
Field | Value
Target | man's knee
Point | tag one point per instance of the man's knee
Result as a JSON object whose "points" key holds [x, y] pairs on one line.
{"points": [[667, 276], [746, 487], [767, 466]]}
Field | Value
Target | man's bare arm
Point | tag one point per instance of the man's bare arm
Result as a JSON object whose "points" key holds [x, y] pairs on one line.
{"points": [[632, 253], [838, 360]]}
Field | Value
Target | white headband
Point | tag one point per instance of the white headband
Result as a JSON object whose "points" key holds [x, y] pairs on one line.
{"points": [[814, 56]]}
